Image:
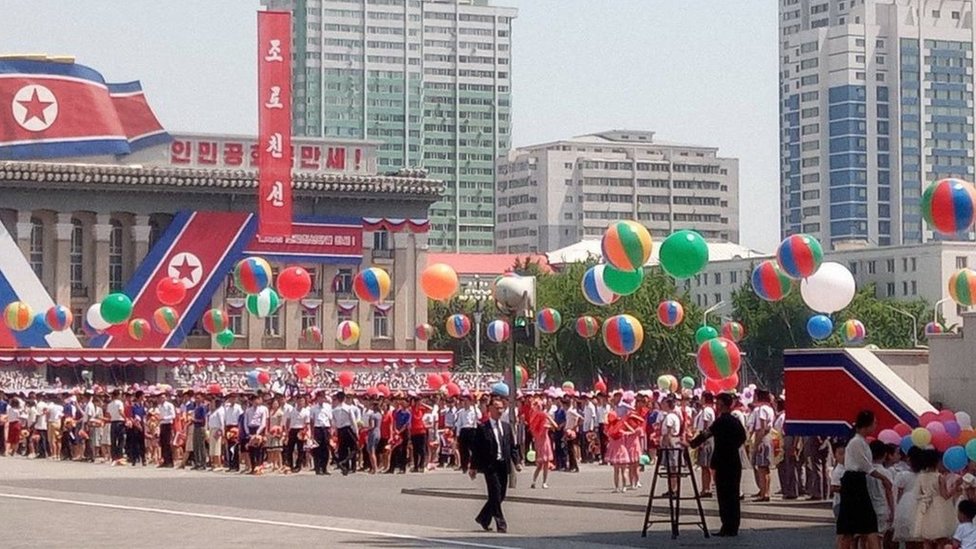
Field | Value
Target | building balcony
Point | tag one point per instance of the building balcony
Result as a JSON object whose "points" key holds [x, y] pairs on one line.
{"points": [[383, 254], [79, 291]]}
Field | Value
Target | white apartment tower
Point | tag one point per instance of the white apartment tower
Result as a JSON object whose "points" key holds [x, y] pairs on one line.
{"points": [[552, 195], [876, 102]]}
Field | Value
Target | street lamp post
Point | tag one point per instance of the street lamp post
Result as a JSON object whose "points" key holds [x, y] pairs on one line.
{"points": [[713, 308], [914, 323], [477, 292], [938, 307]]}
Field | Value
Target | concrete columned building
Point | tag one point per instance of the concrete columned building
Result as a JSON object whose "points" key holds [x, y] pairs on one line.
{"points": [[428, 79], [93, 226], [876, 102], [551, 195]]}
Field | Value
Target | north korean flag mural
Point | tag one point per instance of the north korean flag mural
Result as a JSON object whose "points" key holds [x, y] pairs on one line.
{"points": [[51, 109], [19, 283]]}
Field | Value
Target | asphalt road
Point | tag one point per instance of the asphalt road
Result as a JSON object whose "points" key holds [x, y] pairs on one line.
{"points": [[54, 504]]}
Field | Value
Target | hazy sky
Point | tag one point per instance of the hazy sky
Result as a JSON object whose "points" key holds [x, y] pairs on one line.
{"points": [[700, 72]]}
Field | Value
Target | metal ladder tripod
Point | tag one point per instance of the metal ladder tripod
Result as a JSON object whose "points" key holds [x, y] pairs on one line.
{"points": [[674, 463]]}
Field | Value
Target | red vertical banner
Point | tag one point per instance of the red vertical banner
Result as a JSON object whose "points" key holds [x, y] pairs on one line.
{"points": [[274, 123]]}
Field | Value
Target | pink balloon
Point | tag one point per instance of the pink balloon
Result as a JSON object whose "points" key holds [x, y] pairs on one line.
{"points": [[947, 415], [928, 417], [902, 429], [941, 441], [935, 427], [889, 436]]}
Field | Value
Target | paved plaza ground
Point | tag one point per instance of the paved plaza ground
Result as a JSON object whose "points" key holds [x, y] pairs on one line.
{"points": [[55, 504]]}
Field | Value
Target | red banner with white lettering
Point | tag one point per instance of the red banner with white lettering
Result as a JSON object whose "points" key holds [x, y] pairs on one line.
{"points": [[274, 123]]}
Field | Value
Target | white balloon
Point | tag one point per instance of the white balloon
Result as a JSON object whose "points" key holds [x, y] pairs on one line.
{"points": [[94, 317], [830, 289], [964, 421]]}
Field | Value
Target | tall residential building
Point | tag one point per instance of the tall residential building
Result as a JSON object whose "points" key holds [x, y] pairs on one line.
{"points": [[552, 195], [430, 80], [876, 101]]}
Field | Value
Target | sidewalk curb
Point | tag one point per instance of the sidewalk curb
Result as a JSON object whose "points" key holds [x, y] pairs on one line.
{"points": [[687, 506]]}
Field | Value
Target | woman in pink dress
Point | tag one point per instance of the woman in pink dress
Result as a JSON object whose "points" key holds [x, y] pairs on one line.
{"points": [[618, 452], [539, 425], [633, 440]]}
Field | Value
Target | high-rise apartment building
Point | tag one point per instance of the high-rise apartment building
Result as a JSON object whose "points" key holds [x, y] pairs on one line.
{"points": [[554, 194], [876, 102], [430, 80]]}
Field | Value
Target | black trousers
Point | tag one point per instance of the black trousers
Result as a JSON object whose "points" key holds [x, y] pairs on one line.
{"points": [[42, 448], [398, 458], [601, 432], [727, 484], [496, 480], [233, 452], [320, 455], [135, 443], [293, 462], [465, 441], [3, 439], [117, 439], [419, 443], [166, 443], [571, 452], [559, 449], [346, 453], [256, 453]]}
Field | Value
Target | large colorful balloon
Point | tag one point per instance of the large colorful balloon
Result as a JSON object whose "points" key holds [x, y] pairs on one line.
{"points": [[139, 328], [94, 318], [830, 289], [225, 338], [116, 308], [962, 287], [683, 254], [955, 459], [627, 245], [424, 331], [623, 334], [799, 255], [165, 319], [770, 282], [587, 327], [457, 325], [498, 331], [294, 283], [704, 334], [853, 332], [347, 333], [263, 304], [372, 285], [933, 328], [734, 331], [718, 358], [595, 290], [58, 318], [949, 205], [312, 334], [439, 281], [548, 320], [170, 290], [820, 327], [252, 274], [214, 321], [670, 313], [18, 316], [623, 282]]}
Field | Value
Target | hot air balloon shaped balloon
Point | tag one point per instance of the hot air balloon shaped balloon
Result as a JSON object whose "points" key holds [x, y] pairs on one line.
{"points": [[498, 331], [733, 331], [458, 325], [949, 205], [626, 245], [770, 282], [670, 313], [263, 304], [853, 332], [799, 255], [165, 319], [594, 289], [252, 274], [587, 327], [718, 358], [58, 318], [139, 328], [962, 287], [214, 321], [371, 285], [623, 334], [548, 320], [18, 316], [347, 333]]}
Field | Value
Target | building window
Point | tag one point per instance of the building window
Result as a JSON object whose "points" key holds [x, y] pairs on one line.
{"points": [[734, 277], [343, 315], [961, 262], [381, 240], [853, 267], [115, 257], [890, 266], [76, 259], [37, 246], [381, 324], [890, 289], [272, 325], [342, 284], [914, 264], [77, 321], [914, 287], [310, 318], [718, 297], [904, 287], [235, 321], [718, 278], [872, 266], [154, 233]]}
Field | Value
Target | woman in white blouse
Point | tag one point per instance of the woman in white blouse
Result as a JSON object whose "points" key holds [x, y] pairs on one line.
{"points": [[856, 514]]}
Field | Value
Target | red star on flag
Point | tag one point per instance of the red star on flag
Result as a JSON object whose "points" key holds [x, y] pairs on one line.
{"points": [[35, 108], [186, 269]]}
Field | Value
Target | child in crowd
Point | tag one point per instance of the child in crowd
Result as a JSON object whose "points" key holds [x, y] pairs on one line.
{"points": [[965, 535], [881, 497], [904, 487], [934, 518], [836, 474]]}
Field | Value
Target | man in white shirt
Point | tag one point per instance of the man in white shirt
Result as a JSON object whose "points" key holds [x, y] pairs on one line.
{"points": [[167, 415], [40, 428], [703, 421], [296, 425], [589, 426], [232, 415], [215, 430], [54, 413], [762, 445], [115, 410], [320, 416], [670, 436], [89, 417], [788, 469], [256, 421], [602, 412], [343, 419], [466, 426]]}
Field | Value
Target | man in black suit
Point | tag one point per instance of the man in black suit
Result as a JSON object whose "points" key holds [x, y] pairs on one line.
{"points": [[729, 435], [493, 452]]}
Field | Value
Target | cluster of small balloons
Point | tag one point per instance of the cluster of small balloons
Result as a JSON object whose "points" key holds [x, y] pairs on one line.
{"points": [[948, 432], [253, 276], [443, 382]]}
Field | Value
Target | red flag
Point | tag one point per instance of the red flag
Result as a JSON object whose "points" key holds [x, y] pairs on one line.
{"points": [[274, 123]]}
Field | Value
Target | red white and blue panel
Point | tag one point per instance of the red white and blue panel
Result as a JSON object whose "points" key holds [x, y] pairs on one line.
{"points": [[827, 388], [142, 128]]}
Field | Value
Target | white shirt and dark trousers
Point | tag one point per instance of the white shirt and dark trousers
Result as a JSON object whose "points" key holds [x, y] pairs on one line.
{"points": [[344, 423], [167, 414], [320, 416], [494, 453]]}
